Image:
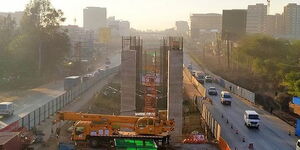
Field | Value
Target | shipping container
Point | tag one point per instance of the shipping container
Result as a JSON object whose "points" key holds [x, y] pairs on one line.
{"points": [[10, 141]]}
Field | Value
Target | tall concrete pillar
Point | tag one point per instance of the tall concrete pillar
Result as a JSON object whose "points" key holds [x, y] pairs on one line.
{"points": [[128, 82], [175, 92]]}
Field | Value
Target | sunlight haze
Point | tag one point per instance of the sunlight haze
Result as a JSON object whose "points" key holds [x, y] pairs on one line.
{"points": [[147, 14]]}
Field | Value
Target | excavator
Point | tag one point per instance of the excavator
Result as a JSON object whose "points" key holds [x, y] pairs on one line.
{"points": [[97, 128]]}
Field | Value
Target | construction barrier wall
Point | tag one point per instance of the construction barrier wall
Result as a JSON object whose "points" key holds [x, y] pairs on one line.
{"points": [[194, 81], [242, 92], [44, 111], [212, 124], [223, 144]]}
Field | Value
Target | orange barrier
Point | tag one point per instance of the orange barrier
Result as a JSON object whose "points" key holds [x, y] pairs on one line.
{"points": [[223, 144]]}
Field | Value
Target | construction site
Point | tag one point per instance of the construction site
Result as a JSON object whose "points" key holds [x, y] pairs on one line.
{"points": [[143, 106]]}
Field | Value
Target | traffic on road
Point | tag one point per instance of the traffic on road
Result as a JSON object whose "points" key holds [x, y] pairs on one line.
{"points": [[244, 123]]}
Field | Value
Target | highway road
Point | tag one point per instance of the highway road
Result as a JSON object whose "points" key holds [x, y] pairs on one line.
{"points": [[272, 134], [37, 97]]}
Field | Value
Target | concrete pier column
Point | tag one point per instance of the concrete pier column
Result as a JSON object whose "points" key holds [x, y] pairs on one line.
{"points": [[128, 82], [175, 91]]}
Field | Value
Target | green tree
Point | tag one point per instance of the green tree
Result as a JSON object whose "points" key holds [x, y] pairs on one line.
{"points": [[7, 33], [292, 81], [50, 44]]}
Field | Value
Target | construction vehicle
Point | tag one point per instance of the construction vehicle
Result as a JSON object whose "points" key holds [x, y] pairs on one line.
{"points": [[98, 129]]}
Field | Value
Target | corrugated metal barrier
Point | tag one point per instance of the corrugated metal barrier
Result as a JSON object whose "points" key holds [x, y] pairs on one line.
{"points": [[242, 92], [43, 112]]}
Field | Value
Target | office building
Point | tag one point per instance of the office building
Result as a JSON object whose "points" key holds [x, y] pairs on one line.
{"points": [[201, 23], [118, 27], [256, 15], [94, 18], [234, 24], [291, 16], [274, 25], [182, 28]]}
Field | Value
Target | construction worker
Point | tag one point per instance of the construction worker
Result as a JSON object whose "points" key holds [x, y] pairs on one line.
{"points": [[57, 132]]}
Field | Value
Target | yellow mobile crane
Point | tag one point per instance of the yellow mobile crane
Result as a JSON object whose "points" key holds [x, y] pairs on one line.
{"points": [[98, 128]]}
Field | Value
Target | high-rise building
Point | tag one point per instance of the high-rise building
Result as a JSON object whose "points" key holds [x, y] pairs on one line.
{"points": [[204, 23], [118, 27], [124, 28], [274, 25], [94, 18], [234, 24], [256, 15], [182, 27], [291, 16]]}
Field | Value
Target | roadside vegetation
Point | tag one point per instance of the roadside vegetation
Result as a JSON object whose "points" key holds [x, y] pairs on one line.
{"points": [[276, 61], [267, 66], [35, 49]]}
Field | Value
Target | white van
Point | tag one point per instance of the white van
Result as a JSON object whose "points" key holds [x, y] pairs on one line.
{"points": [[251, 118], [6, 108], [226, 98], [298, 145]]}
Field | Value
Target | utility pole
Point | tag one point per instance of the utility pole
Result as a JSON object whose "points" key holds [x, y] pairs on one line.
{"points": [[203, 51], [218, 48], [228, 47]]}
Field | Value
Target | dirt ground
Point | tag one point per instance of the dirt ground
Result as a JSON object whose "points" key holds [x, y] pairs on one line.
{"points": [[107, 101]]}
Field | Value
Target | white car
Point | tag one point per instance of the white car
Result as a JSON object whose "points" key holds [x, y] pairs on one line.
{"points": [[298, 145], [6, 108], [190, 67], [208, 79], [251, 118], [226, 98]]}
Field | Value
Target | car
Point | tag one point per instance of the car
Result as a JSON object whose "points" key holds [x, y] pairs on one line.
{"points": [[200, 79], [226, 98], [190, 67], [194, 73], [251, 118], [6, 108], [208, 79], [212, 91], [298, 145]]}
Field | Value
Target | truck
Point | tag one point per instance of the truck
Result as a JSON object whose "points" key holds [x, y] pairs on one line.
{"points": [[6, 108], [71, 82], [99, 129], [251, 118]]}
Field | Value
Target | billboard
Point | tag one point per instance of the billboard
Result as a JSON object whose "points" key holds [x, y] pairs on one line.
{"points": [[104, 35]]}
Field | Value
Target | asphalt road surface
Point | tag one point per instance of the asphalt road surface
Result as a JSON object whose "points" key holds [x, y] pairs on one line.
{"points": [[37, 97], [271, 135]]}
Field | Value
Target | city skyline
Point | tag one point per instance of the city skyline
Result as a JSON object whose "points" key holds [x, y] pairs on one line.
{"points": [[145, 15]]}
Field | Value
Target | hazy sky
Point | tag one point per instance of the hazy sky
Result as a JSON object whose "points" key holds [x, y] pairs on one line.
{"points": [[147, 14]]}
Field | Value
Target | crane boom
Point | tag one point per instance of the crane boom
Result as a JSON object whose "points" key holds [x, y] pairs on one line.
{"points": [[78, 116]]}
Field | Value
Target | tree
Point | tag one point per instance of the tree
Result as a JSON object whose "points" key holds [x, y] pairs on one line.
{"points": [[42, 22], [7, 33], [292, 81]]}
